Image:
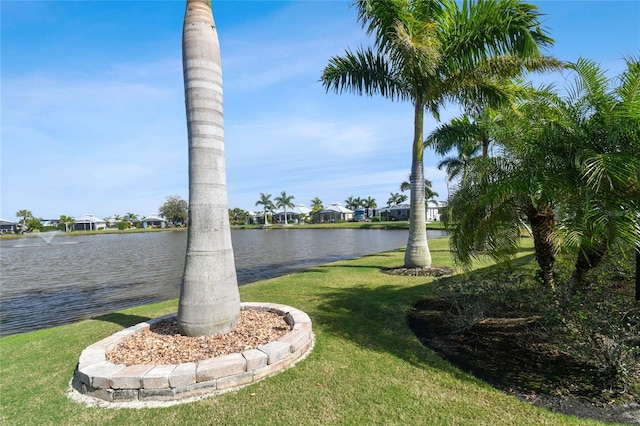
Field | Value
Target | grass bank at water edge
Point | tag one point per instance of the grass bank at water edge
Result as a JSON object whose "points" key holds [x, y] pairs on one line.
{"points": [[367, 367]]}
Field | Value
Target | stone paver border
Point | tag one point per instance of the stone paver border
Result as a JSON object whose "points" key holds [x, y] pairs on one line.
{"points": [[96, 377]]}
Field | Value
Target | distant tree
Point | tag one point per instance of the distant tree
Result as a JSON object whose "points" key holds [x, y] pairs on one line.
{"points": [[370, 204], [25, 215], [130, 217], [267, 205], [284, 201], [238, 216], [406, 186], [175, 209], [316, 205], [67, 222], [430, 194], [396, 198], [456, 166], [353, 202], [34, 224]]}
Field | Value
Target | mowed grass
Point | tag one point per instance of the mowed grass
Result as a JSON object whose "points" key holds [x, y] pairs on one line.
{"points": [[367, 367]]}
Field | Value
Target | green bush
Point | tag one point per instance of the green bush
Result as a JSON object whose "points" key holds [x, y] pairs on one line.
{"points": [[603, 321], [122, 225]]}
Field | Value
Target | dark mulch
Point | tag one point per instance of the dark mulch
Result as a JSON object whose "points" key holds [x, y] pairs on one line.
{"points": [[512, 353]]}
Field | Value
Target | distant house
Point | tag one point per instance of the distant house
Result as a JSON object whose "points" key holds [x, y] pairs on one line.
{"points": [[112, 221], [8, 227], [333, 213], [434, 212], [154, 221], [395, 212], [293, 214], [403, 211], [89, 222], [50, 222]]}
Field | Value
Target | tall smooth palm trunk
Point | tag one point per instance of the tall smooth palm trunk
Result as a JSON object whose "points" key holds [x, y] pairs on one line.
{"points": [[209, 297], [417, 254]]}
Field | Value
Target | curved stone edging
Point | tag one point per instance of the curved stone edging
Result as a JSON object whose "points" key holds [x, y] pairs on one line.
{"points": [[96, 377]]}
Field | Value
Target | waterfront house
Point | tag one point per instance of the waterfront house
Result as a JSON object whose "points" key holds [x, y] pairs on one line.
{"points": [[297, 213], [89, 222], [333, 213], [434, 211], [154, 221], [8, 226], [395, 212]]}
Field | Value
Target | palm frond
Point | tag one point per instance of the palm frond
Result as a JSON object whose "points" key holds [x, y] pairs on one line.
{"points": [[363, 73]]}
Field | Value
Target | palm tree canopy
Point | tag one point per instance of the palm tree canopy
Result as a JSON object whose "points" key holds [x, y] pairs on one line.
{"points": [[265, 201], [430, 52], [369, 203], [284, 200]]}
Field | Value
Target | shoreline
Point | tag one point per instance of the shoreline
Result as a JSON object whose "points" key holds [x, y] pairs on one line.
{"points": [[436, 226]]}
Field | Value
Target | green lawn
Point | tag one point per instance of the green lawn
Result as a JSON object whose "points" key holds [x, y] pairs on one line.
{"points": [[366, 368]]}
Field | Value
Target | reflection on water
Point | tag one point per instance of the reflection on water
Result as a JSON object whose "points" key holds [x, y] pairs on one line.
{"points": [[71, 278]]}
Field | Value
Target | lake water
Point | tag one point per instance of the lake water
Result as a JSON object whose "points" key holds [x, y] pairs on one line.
{"points": [[44, 284]]}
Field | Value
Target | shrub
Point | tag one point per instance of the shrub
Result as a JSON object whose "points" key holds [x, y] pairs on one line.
{"points": [[603, 322]]}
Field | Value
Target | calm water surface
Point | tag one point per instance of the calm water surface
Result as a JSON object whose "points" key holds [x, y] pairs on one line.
{"points": [[73, 278]]}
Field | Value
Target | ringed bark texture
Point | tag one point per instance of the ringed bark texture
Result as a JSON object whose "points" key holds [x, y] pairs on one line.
{"points": [[417, 254], [209, 297]]}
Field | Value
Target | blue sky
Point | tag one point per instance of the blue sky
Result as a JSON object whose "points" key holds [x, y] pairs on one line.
{"points": [[92, 104]]}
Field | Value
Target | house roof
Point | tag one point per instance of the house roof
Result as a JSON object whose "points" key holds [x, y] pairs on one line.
{"points": [[296, 209], [402, 206], [153, 218], [89, 218], [336, 208], [7, 222]]}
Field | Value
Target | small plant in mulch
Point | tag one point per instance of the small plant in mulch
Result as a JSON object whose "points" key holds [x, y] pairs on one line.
{"points": [[580, 357]]}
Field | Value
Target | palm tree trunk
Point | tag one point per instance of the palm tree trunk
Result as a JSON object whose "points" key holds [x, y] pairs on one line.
{"points": [[485, 148], [637, 274], [542, 229], [417, 254], [209, 297], [588, 258]]}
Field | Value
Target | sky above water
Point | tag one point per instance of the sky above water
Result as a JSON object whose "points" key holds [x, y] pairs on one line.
{"points": [[92, 103]]}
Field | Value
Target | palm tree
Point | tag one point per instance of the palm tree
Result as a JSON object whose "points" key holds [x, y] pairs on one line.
{"points": [[396, 198], [430, 52], [284, 201], [569, 166], [456, 166], [267, 205], [209, 298], [67, 221], [352, 202], [370, 204], [468, 129], [25, 215], [496, 193], [316, 205], [429, 193], [602, 207]]}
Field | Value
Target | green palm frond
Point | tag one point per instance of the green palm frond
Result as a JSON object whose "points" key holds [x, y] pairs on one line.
{"points": [[363, 73]]}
